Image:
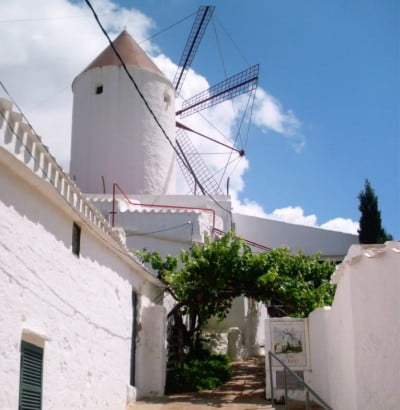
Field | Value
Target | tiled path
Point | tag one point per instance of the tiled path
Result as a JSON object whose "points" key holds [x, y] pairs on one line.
{"points": [[245, 391]]}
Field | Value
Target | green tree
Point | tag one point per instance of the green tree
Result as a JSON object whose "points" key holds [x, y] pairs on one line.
{"points": [[205, 280], [371, 230]]}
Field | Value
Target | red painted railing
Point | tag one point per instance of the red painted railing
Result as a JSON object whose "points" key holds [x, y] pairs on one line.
{"points": [[163, 206]]}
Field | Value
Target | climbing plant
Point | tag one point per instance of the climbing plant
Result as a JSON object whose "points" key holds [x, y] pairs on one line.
{"points": [[204, 280]]}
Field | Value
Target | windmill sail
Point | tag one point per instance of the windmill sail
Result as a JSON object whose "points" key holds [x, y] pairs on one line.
{"points": [[201, 21], [238, 84], [194, 163]]}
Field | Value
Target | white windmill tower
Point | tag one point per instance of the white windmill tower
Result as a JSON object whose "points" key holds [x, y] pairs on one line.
{"points": [[114, 137], [120, 155]]}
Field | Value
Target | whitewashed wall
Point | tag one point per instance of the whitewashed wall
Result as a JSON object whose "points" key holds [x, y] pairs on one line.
{"points": [[319, 341], [114, 135], [249, 316], [355, 345], [267, 232], [235, 318], [152, 352], [78, 308], [166, 229]]}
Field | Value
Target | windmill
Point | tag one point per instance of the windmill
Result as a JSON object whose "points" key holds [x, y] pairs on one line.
{"points": [[190, 161]]}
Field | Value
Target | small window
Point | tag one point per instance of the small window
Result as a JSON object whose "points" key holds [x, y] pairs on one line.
{"points": [[30, 384], [76, 239], [99, 89]]}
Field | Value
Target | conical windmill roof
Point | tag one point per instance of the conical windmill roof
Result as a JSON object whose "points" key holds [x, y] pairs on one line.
{"points": [[131, 53]]}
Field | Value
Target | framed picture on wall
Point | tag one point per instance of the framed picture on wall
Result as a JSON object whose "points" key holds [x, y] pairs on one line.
{"points": [[289, 342]]}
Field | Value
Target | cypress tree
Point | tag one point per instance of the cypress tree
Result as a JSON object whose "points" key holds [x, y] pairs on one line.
{"points": [[371, 230]]}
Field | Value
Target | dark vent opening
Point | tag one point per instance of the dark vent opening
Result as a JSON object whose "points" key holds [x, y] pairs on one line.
{"points": [[76, 239], [99, 89]]}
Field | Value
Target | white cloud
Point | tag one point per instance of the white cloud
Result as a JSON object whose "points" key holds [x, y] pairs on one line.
{"points": [[247, 207], [270, 115], [293, 214], [342, 225]]}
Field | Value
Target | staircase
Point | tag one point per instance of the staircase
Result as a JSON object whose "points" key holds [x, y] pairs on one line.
{"points": [[245, 391]]}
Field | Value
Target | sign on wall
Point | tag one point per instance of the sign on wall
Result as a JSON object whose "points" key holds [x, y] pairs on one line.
{"points": [[288, 341]]}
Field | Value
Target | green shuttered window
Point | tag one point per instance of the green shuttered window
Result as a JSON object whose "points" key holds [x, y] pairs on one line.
{"points": [[30, 387]]}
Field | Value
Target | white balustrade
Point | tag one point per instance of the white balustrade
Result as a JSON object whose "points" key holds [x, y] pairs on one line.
{"points": [[18, 138]]}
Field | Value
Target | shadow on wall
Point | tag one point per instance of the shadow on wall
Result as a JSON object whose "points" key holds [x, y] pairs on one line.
{"points": [[31, 204], [251, 324]]}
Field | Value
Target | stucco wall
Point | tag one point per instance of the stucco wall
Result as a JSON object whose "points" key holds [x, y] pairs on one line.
{"points": [[152, 351], [79, 308], [166, 230], [319, 340], [362, 353], [249, 316], [235, 318], [114, 135], [311, 240]]}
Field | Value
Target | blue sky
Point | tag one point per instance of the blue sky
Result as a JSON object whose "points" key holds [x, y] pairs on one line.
{"points": [[331, 68]]}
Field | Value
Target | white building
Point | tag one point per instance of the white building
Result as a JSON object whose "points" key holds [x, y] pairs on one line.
{"points": [[114, 136], [78, 313], [72, 293]]}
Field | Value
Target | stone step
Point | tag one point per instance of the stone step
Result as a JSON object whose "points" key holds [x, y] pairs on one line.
{"points": [[297, 405]]}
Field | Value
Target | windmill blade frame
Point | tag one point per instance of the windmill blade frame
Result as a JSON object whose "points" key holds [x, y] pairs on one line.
{"points": [[192, 165], [200, 24], [186, 128], [195, 165], [238, 84]]}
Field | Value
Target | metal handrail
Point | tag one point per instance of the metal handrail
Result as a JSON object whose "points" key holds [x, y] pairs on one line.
{"points": [[307, 387]]}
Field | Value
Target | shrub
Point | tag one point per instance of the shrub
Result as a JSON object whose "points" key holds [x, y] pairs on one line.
{"points": [[206, 373]]}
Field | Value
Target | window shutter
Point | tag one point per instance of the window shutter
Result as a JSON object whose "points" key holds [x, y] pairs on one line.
{"points": [[30, 391]]}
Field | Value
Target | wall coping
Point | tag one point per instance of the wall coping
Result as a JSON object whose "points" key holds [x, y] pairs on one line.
{"points": [[358, 252]]}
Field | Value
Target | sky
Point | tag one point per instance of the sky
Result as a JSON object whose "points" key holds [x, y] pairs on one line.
{"points": [[325, 114]]}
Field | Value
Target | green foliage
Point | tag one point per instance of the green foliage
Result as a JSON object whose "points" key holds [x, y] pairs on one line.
{"points": [[205, 280], [301, 283], [371, 230], [199, 374]]}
